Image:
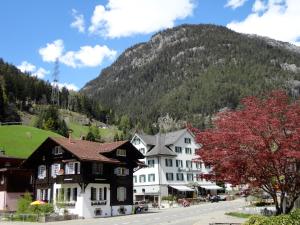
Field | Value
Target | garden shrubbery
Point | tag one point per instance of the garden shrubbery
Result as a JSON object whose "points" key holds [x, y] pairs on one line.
{"points": [[291, 219]]}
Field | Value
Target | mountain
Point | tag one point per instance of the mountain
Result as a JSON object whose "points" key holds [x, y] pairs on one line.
{"points": [[192, 71]]}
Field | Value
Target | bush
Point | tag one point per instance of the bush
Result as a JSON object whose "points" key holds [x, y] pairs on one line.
{"points": [[290, 219], [24, 203], [168, 198]]}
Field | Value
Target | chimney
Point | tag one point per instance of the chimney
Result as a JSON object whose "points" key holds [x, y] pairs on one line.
{"points": [[70, 136]]}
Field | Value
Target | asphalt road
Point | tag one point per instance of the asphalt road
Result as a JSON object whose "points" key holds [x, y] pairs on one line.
{"points": [[198, 215]]}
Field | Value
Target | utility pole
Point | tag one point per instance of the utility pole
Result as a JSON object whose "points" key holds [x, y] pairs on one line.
{"points": [[55, 87]]}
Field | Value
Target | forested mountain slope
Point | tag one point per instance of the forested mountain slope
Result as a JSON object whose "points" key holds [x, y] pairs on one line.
{"points": [[194, 70]]}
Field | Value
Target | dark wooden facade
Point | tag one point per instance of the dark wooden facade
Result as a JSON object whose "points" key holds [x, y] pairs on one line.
{"points": [[44, 156], [12, 178]]}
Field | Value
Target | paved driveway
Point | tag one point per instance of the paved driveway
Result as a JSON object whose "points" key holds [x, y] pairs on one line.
{"points": [[194, 215]]}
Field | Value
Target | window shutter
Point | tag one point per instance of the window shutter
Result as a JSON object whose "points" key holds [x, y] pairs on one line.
{"points": [[116, 170]]}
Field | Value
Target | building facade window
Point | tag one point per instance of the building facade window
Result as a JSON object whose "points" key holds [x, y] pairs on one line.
{"points": [[68, 197], [74, 197], [169, 162], [72, 168], [134, 179], [169, 176], [198, 165], [42, 172], [151, 177], [187, 140], [151, 163], [142, 178], [190, 177], [97, 168], [188, 164], [188, 151], [121, 152], [57, 150], [55, 169], [93, 194], [121, 194], [179, 163], [136, 141], [178, 149], [179, 176], [142, 150], [121, 171]]}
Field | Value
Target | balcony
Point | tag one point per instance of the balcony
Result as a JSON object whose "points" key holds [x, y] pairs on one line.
{"points": [[100, 202]]}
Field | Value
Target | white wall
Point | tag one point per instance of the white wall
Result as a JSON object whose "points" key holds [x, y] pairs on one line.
{"points": [[2, 200], [83, 207], [161, 170]]}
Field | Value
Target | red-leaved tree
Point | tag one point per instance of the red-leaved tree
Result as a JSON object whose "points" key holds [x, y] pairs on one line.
{"points": [[257, 145]]}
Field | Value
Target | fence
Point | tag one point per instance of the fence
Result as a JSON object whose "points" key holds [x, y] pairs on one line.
{"points": [[36, 217], [10, 123]]}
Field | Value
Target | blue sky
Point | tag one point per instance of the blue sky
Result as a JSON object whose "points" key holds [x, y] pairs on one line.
{"points": [[87, 36]]}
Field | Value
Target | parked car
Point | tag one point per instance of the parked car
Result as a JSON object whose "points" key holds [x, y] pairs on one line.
{"points": [[223, 197], [140, 206], [215, 198]]}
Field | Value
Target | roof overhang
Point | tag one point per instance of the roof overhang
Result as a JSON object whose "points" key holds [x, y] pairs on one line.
{"points": [[181, 188]]}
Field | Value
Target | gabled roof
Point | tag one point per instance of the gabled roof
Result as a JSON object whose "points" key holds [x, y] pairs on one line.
{"points": [[89, 151], [161, 142]]}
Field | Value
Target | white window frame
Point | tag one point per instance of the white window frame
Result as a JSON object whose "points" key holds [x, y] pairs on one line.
{"points": [[121, 171], [190, 177], [55, 168], [70, 168], [179, 177], [188, 151], [121, 152], [151, 177], [169, 176], [187, 140], [121, 194], [178, 149], [179, 163], [144, 178], [42, 171], [151, 165], [58, 150], [189, 164], [169, 162]]}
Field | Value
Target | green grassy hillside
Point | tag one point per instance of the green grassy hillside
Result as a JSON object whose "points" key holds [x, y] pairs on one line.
{"points": [[21, 141]]}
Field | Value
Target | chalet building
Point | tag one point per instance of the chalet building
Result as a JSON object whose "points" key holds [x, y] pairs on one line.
{"points": [[85, 178], [14, 182], [171, 167]]}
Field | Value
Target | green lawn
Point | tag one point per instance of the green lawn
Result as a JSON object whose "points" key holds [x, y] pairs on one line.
{"points": [[78, 130], [239, 214], [21, 141]]}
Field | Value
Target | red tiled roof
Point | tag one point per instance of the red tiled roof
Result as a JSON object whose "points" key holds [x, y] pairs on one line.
{"points": [[89, 151]]}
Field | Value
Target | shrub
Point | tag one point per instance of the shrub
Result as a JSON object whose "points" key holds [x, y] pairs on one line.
{"points": [[290, 219], [23, 205], [168, 198]]}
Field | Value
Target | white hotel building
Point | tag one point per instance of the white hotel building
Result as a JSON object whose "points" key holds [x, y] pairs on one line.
{"points": [[170, 168]]}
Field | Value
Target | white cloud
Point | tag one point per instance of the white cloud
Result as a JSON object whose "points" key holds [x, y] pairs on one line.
{"points": [[259, 6], [69, 86], [121, 18], [86, 56], [40, 73], [52, 51], [78, 22], [26, 67], [30, 68], [235, 3], [279, 20]]}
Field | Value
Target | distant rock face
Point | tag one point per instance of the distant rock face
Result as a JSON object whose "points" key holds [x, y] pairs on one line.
{"points": [[194, 70]]}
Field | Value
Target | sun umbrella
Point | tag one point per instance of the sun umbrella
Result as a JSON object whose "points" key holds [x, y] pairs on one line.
{"points": [[37, 202]]}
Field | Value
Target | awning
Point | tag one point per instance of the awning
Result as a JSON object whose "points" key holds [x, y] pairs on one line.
{"points": [[211, 187], [181, 188]]}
